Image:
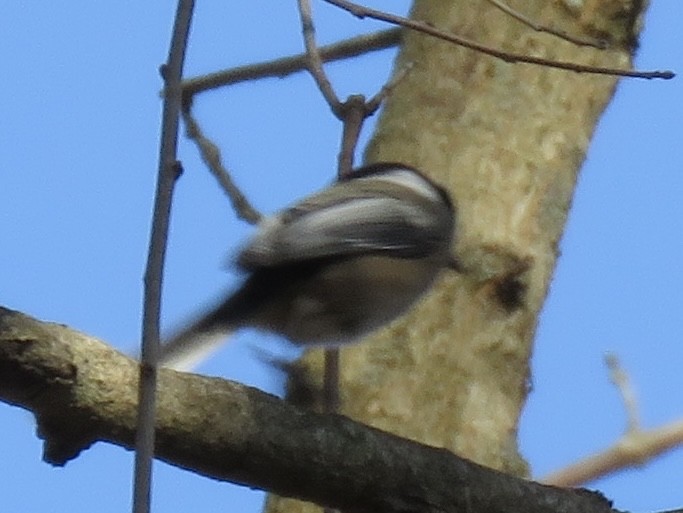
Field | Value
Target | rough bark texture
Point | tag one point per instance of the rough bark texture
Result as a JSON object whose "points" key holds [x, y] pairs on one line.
{"points": [[82, 391], [508, 140]]}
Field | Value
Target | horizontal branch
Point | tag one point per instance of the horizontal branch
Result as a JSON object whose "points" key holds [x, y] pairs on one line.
{"points": [[285, 66], [83, 391]]}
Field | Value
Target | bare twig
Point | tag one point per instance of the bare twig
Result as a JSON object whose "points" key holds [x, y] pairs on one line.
{"points": [[366, 12], [331, 402], [633, 449], [355, 110], [580, 41], [352, 113], [211, 156], [168, 170], [285, 66], [376, 101], [315, 63], [331, 394], [620, 380]]}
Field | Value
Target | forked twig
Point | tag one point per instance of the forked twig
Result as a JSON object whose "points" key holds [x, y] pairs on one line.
{"points": [[621, 381], [353, 113], [634, 448], [375, 102]]}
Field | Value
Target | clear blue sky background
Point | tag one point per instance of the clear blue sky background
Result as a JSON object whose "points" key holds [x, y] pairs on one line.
{"points": [[78, 155]]}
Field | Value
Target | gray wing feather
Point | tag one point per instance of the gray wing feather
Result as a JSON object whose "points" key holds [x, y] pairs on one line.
{"points": [[372, 224]]}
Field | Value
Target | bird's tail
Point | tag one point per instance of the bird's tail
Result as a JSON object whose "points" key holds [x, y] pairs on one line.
{"points": [[192, 345], [185, 353]]}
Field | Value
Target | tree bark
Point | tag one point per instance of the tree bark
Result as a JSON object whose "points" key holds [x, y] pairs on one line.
{"points": [[508, 141], [82, 391]]}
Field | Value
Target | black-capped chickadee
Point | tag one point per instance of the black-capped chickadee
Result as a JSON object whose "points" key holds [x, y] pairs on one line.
{"points": [[335, 266]]}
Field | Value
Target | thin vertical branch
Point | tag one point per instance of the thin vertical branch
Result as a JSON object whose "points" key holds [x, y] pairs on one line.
{"points": [[620, 379], [352, 113], [331, 402], [360, 11], [353, 117], [167, 174]]}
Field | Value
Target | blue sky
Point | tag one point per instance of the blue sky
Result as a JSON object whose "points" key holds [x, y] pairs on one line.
{"points": [[78, 157]]}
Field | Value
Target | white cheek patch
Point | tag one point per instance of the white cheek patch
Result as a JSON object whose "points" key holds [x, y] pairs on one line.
{"points": [[409, 180]]}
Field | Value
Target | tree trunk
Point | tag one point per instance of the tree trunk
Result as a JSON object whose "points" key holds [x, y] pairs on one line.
{"points": [[508, 141]]}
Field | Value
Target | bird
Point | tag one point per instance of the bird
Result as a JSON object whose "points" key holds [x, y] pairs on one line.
{"points": [[335, 266]]}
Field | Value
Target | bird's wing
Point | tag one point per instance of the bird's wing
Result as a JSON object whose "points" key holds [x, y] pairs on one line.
{"points": [[311, 230]]}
